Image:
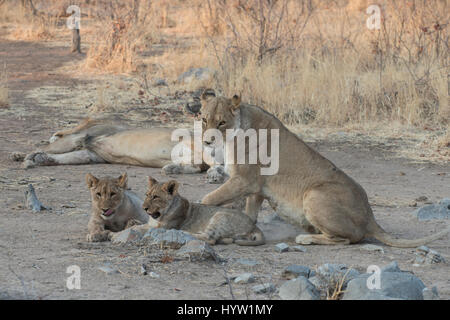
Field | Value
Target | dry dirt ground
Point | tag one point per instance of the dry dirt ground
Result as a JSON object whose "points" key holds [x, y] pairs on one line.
{"points": [[37, 248]]}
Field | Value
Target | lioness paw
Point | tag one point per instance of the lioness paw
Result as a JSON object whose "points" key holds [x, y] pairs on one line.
{"points": [[216, 174], [37, 159], [172, 168]]}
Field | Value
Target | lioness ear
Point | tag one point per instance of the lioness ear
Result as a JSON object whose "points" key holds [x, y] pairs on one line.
{"points": [[207, 94], [235, 102], [152, 181], [91, 181], [171, 187], [122, 181]]}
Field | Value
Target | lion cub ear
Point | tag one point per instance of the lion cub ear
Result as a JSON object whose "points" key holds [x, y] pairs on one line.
{"points": [[122, 180], [171, 187], [91, 181], [235, 102], [152, 181]]}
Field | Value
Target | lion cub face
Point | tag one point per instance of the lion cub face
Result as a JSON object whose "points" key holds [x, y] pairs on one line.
{"points": [[218, 113], [107, 194], [161, 203]]}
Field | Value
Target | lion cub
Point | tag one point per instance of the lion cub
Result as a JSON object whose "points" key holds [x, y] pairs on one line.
{"points": [[113, 207], [209, 223]]}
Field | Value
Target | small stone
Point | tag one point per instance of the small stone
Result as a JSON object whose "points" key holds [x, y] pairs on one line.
{"points": [[439, 210], [423, 248], [197, 250], [143, 270], [294, 271], [430, 294], [425, 255], [154, 275], [393, 285], [372, 247], [299, 289], [422, 199], [391, 267], [282, 247], [126, 236], [244, 278], [108, 269], [299, 248], [172, 238], [264, 288], [247, 262]]}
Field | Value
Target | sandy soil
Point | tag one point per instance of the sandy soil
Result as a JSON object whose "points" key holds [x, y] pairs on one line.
{"points": [[36, 248]]}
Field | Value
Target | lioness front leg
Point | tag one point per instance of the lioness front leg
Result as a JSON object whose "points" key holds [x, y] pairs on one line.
{"points": [[233, 188], [48, 159]]}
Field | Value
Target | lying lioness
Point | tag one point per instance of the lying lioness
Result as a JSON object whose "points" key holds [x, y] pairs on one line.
{"points": [[114, 208], [308, 190], [211, 224], [94, 141]]}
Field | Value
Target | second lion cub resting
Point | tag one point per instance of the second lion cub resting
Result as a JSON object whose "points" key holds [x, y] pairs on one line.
{"points": [[209, 223]]}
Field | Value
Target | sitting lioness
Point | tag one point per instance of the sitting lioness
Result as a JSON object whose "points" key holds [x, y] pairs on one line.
{"points": [[114, 208], [95, 141], [211, 224], [308, 190]]}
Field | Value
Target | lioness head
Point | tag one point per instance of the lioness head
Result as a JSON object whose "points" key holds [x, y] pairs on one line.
{"points": [[161, 203], [218, 113], [106, 193]]}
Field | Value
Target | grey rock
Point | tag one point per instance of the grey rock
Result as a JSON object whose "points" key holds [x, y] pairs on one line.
{"points": [[197, 250], [372, 247], [126, 236], [154, 275], [166, 238], [298, 248], [294, 271], [439, 210], [391, 267], [247, 262], [425, 255], [143, 270], [264, 288], [244, 278], [282, 247], [393, 285], [108, 269], [329, 275], [430, 294], [159, 82], [195, 74], [299, 289]]}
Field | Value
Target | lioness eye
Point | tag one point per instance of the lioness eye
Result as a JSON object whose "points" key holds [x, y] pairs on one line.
{"points": [[113, 194], [204, 120], [99, 194], [221, 123], [155, 197]]}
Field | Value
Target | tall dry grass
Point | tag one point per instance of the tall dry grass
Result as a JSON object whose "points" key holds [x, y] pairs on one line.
{"points": [[307, 64], [307, 61]]}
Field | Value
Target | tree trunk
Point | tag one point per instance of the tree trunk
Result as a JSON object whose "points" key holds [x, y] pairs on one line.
{"points": [[76, 40]]}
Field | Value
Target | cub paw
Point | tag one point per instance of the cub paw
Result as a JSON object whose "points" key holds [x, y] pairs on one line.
{"points": [[98, 237]]}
